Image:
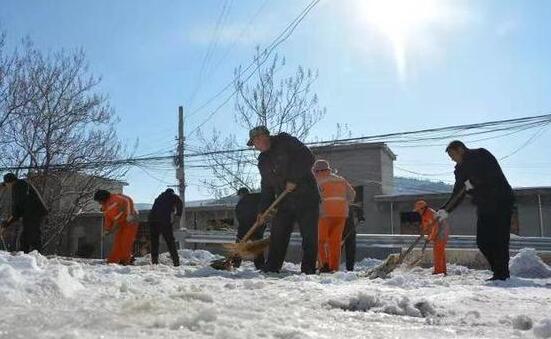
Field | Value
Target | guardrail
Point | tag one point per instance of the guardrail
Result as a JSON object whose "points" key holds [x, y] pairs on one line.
{"points": [[370, 240]]}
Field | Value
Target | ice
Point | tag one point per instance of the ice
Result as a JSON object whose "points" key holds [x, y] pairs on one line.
{"points": [[528, 264], [543, 329], [76, 298]]}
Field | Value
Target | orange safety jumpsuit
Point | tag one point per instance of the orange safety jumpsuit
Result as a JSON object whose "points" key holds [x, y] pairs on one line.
{"points": [[120, 217], [336, 194], [437, 233]]}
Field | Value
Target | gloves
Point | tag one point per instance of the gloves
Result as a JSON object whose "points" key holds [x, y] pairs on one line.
{"points": [[468, 186], [290, 186], [442, 215]]}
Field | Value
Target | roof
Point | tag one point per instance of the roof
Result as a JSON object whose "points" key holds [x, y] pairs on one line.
{"points": [[354, 146], [519, 191]]}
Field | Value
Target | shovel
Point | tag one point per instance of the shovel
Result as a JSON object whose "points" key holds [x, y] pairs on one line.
{"points": [[245, 248]]}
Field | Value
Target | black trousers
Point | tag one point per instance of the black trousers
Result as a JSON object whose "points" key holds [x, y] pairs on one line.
{"points": [[157, 229], [31, 236], [282, 226], [349, 237], [492, 237]]}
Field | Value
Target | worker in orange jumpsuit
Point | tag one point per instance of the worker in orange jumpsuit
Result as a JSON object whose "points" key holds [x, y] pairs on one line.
{"points": [[336, 194], [437, 233], [120, 218]]}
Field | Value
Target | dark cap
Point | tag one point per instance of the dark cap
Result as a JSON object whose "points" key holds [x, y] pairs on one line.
{"points": [[243, 190], [101, 195], [9, 177], [456, 144], [258, 130]]}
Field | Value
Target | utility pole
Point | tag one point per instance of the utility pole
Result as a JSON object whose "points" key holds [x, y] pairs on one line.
{"points": [[180, 174]]}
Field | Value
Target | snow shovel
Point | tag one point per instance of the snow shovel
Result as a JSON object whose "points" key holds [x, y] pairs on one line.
{"points": [[245, 248], [391, 262]]}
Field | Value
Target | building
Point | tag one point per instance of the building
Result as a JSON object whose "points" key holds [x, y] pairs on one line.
{"points": [[369, 167]]}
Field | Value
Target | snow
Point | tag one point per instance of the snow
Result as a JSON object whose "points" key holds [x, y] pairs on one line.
{"points": [[543, 329], [75, 298], [527, 264]]}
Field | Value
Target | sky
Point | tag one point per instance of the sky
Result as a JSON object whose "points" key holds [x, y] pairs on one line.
{"points": [[384, 66]]}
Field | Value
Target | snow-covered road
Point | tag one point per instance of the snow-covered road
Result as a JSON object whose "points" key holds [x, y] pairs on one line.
{"points": [[70, 298]]}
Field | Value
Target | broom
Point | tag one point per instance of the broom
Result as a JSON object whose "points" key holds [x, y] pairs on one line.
{"points": [[245, 248]]}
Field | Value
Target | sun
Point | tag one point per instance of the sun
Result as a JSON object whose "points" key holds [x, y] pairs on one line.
{"points": [[400, 21]]}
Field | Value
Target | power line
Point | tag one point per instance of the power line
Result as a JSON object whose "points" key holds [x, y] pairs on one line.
{"points": [[283, 36], [524, 123], [210, 49]]}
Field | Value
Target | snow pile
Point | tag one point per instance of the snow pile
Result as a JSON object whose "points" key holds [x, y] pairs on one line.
{"points": [[543, 329], [187, 257], [367, 263], [30, 275], [527, 264], [384, 304]]}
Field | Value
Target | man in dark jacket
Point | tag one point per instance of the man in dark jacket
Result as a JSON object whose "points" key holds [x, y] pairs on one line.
{"points": [[28, 205], [160, 222], [478, 174], [285, 164], [246, 212], [355, 215]]}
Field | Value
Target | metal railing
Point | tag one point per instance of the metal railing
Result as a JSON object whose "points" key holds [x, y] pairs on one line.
{"points": [[371, 240]]}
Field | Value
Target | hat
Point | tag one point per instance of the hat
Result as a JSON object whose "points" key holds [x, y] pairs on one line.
{"points": [[321, 165], [101, 195], [419, 205], [10, 177], [243, 190], [258, 130]]}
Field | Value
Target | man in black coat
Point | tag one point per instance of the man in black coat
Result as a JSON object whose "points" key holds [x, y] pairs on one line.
{"points": [[28, 205], [285, 164], [478, 174], [246, 212], [160, 222]]}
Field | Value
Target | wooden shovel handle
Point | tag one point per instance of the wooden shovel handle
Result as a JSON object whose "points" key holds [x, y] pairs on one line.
{"points": [[256, 225]]}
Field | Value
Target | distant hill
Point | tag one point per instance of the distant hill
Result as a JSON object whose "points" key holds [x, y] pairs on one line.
{"points": [[415, 186]]}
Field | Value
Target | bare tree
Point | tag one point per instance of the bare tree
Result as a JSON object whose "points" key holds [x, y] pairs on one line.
{"points": [[14, 90], [281, 103], [61, 135]]}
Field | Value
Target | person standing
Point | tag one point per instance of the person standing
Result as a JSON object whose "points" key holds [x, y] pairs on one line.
{"points": [[120, 218], [355, 215], [246, 212], [436, 232], [285, 164], [336, 195], [160, 223], [478, 174], [28, 205]]}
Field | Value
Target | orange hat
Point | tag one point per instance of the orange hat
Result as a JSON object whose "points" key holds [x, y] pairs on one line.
{"points": [[419, 205]]}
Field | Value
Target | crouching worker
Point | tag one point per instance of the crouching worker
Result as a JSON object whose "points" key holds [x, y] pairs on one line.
{"points": [[120, 218], [336, 195], [437, 233], [246, 213]]}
